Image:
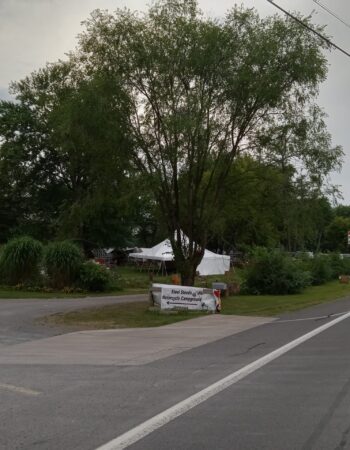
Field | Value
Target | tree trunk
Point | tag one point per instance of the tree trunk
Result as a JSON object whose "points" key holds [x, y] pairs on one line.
{"points": [[188, 275], [187, 269]]}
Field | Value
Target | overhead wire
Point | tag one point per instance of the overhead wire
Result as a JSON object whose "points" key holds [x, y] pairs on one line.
{"points": [[305, 25], [331, 12]]}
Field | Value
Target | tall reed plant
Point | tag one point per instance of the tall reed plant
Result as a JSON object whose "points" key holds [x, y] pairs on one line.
{"points": [[20, 260], [62, 262]]}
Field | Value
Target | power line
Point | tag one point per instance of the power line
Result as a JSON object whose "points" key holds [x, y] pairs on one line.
{"points": [[329, 42], [331, 13]]}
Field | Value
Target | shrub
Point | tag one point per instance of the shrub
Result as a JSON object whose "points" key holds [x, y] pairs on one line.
{"points": [[345, 266], [20, 260], [321, 270], [94, 277], [275, 273], [62, 261], [337, 265]]}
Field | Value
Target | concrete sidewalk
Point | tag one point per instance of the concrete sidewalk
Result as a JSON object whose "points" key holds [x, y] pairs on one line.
{"points": [[132, 346]]}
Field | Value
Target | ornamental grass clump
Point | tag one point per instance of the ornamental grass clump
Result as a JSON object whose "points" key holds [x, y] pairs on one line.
{"points": [[20, 260], [62, 262]]}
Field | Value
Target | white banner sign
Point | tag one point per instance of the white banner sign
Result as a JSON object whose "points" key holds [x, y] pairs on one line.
{"points": [[182, 297]]}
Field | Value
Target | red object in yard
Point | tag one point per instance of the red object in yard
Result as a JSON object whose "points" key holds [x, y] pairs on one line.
{"points": [[100, 261], [175, 279], [344, 279], [217, 293]]}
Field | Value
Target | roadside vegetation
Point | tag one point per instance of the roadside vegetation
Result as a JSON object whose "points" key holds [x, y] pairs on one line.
{"points": [[130, 315], [271, 282], [135, 315], [171, 124], [274, 305], [231, 147], [26, 265]]}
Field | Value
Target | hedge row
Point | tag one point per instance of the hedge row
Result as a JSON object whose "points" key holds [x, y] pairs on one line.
{"points": [[276, 273]]}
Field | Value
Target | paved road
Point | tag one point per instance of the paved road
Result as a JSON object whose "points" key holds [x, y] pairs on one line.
{"points": [[300, 400], [17, 317]]}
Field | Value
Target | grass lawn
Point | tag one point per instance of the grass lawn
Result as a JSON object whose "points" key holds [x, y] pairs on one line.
{"points": [[137, 314], [130, 315], [273, 305]]}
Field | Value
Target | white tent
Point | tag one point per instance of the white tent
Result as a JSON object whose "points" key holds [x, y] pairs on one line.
{"points": [[211, 264]]}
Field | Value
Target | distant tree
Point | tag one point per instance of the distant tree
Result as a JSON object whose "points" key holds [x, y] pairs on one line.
{"points": [[265, 206], [199, 91], [298, 143], [29, 185], [249, 213], [88, 126], [336, 239], [64, 159], [342, 211]]}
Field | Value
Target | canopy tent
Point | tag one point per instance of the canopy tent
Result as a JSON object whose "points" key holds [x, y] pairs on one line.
{"points": [[211, 264]]}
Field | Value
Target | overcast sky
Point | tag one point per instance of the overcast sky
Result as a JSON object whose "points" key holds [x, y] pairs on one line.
{"points": [[33, 32]]}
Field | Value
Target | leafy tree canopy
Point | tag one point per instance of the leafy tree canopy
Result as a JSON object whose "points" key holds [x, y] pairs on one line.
{"points": [[175, 98], [201, 90]]}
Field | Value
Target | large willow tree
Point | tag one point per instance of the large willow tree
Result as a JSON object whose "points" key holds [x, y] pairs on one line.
{"points": [[180, 96], [199, 89]]}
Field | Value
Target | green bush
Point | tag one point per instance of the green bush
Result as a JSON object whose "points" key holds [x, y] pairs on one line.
{"points": [[20, 260], [62, 262], [324, 268], [320, 269], [337, 265], [345, 266], [275, 273], [94, 277]]}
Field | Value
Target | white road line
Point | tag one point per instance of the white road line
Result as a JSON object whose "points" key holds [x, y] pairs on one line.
{"points": [[19, 390], [135, 434]]}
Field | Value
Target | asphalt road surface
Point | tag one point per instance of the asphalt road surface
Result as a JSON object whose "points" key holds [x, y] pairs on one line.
{"points": [[18, 317], [298, 400]]}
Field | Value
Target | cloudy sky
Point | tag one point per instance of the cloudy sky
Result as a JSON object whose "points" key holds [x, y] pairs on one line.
{"points": [[33, 32]]}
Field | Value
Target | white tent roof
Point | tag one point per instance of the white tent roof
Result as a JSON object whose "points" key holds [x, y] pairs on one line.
{"points": [[211, 264]]}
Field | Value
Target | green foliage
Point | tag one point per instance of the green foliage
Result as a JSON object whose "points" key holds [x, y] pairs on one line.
{"points": [[30, 171], [175, 96], [205, 88], [273, 272], [339, 265], [336, 238], [65, 170], [94, 277], [326, 267], [62, 262], [320, 269], [346, 267], [342, 211], [251, 205], [20, 259]]}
